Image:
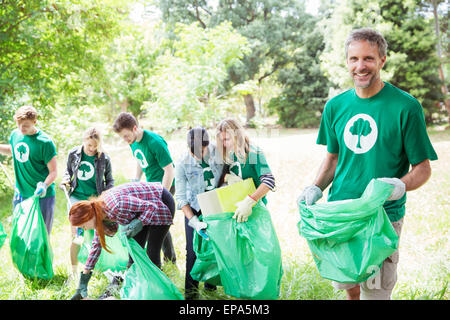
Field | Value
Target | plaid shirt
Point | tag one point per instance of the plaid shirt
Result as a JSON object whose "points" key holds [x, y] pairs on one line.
{"points": [[129, 201]]}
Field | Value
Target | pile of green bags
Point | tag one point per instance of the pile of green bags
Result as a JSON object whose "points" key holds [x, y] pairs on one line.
{"points": [[245, 256], [30, 247], [143, 280], [350, 239], [115, 261]]}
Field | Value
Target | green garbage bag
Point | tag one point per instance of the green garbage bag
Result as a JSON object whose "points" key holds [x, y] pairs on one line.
{"points": [[30, 247], [143, 280], [115, 261], [205, 268], [350, 239], [2, 235], [248, 254]]}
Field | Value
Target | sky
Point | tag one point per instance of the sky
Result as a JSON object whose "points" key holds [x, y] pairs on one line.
{"points": [[312, 7]]}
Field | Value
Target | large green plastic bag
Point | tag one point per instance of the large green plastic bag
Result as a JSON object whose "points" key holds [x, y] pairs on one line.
{"points": [[248, 254], [350, 239], [143, 280], [115, 261], [30, 247], [205, 268], [2, 235]]}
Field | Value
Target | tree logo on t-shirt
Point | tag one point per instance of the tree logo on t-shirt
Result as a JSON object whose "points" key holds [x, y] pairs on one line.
{"points": [[22, 152], [235, 168], [139, 155], [85, 171], [360, 133]]}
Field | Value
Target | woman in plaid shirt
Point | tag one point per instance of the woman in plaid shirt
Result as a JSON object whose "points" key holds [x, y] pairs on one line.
{"points": [[146, 211]]}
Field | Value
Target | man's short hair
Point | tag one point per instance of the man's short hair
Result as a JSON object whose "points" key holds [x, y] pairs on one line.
{"points": [[369, 35], [26, 113], [125, 120]]}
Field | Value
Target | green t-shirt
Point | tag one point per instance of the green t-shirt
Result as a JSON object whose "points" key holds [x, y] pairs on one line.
{"points": [[254, 167], [86, 182], [152, 154], [31, 153], [375, 137]]}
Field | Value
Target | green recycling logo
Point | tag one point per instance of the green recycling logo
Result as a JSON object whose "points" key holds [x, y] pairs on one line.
{"points": [[360, 133], [209, 178], [139, 155], [85, 171], [22, 152]]}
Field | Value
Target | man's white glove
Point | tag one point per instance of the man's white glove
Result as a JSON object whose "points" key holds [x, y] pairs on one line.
{"points": [[310, 195], [399, 188], [41, 189], [244, 209], [231, 178]]}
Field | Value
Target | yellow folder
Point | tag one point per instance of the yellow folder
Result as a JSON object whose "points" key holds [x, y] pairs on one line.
{"points": [[224, 199]]}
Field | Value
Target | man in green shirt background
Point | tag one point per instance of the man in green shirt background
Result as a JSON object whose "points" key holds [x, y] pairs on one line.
{"points": [[35, 164], [372, 131], [153, 159]]}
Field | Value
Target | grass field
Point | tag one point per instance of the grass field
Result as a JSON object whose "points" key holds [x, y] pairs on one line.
{"points": [[294, 159]]}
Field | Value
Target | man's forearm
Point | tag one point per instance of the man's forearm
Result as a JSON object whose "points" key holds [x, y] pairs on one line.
{"points": [[6, 149], [326, 171], [52, 166], [418, 175], [138, 172], [169, 174]]}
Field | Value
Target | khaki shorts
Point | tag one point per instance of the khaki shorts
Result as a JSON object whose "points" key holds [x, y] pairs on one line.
{"points": [[379, 287]]}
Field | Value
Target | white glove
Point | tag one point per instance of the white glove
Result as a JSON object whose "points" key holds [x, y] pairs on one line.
{"points": [[196, 224], [399, 188], [231, 178], [244, 209], [41, 189], [310, 195]]}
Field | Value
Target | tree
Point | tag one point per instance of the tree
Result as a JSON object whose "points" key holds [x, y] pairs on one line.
{"points": [[360, 128], [437, 27], [269, 25], [21, 150], [187, 81], [45, 48], [85, 169], [305, 88]]}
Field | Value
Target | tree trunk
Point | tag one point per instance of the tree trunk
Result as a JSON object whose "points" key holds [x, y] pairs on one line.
{"points": [[250, 107], [438, 48]]}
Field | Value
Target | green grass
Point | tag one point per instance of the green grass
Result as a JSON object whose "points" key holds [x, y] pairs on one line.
{"points": [[423, 271]]}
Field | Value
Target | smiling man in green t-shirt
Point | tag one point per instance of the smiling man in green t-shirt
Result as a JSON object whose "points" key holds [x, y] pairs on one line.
{"points": [[35, 164], [372, 131], [153, 159]]}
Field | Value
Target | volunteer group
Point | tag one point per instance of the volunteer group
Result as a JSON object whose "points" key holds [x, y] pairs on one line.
{"points": [[374, 130]]}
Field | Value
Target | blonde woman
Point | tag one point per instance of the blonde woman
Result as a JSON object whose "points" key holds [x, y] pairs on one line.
{"points": [[88, 174], [244, 160]]}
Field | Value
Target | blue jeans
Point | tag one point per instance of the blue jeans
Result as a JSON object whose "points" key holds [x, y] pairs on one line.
{"points": [[47, 206]]}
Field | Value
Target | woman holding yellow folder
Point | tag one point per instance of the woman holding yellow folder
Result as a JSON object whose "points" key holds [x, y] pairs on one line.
{"points": [[244, 160]]}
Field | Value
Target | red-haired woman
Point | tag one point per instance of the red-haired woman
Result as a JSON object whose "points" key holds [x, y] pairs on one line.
{"points": [[146, 211]]}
